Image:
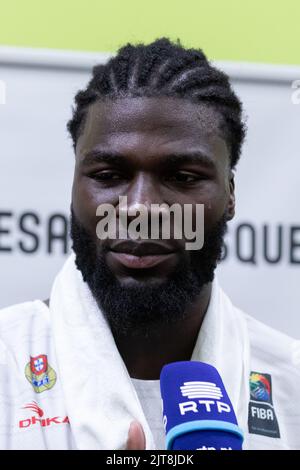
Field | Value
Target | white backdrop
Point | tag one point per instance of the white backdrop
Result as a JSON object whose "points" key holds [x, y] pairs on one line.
{"points": [[262, 267]]}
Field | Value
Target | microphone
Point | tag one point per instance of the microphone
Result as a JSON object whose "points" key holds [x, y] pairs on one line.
{"points": [[197, 412]]}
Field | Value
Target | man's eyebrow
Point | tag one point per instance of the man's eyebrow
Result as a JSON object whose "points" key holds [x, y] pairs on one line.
{"points": [[190, 157], [172, 159], [96, 156]]}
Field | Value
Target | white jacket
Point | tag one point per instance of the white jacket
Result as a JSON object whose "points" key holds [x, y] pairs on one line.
{"points": [[63, 384]]}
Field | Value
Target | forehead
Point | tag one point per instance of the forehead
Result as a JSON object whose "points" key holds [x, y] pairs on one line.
{"points": [[155, 125]]}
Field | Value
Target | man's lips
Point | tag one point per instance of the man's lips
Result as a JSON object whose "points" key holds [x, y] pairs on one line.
{"points": [[141, 248], [140, 262], [141, 255]]}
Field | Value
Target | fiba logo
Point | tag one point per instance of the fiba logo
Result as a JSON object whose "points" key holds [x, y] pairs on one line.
{"points": [[260, 387], [209, 394]]}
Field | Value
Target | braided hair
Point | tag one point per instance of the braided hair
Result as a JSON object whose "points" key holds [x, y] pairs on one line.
{"points": [[163, 68]]}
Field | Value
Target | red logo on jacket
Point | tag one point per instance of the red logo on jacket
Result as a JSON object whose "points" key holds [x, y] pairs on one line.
{"points": [[43, 422]]}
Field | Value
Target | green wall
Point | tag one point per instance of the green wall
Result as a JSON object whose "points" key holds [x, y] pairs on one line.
{"points": [[244, 30]]}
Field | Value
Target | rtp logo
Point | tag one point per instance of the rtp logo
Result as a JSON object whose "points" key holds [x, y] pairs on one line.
{"points": [[210, 398]]}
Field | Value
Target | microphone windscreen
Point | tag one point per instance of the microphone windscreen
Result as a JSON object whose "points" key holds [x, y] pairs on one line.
{"points": [[198, 414]]}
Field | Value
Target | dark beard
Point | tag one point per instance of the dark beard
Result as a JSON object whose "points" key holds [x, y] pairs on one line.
{"points": [[144, 309]]}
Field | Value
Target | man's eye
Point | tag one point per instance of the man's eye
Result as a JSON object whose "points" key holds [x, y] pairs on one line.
{"points": [[184, 177], [107, 176]]}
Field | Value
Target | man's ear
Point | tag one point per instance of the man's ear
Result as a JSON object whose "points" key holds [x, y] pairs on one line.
{"points": [[231, 201]]}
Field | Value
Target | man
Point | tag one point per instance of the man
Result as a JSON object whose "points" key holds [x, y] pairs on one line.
{"points": [[158, 125]]}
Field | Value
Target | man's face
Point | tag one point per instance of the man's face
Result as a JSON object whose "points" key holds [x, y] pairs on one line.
{"points": [[156, 150]]}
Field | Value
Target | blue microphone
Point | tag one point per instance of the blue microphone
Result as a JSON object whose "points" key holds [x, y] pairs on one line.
{"points": [[198, 414]]}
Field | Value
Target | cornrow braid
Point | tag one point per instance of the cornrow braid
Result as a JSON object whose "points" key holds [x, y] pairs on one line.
{"points": [[163, 68]]}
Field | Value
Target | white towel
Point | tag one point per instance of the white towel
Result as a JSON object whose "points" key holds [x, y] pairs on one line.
{"points": [[100, 398]]}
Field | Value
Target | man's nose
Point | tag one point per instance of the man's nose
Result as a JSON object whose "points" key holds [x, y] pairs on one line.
{"points": [[144, 204], [143, 191]]}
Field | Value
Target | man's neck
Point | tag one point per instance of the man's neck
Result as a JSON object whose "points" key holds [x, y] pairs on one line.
{"points": [[144, 357]]}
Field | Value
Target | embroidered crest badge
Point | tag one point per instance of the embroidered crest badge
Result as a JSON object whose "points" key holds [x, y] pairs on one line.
{"points": [[40, 374]]}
